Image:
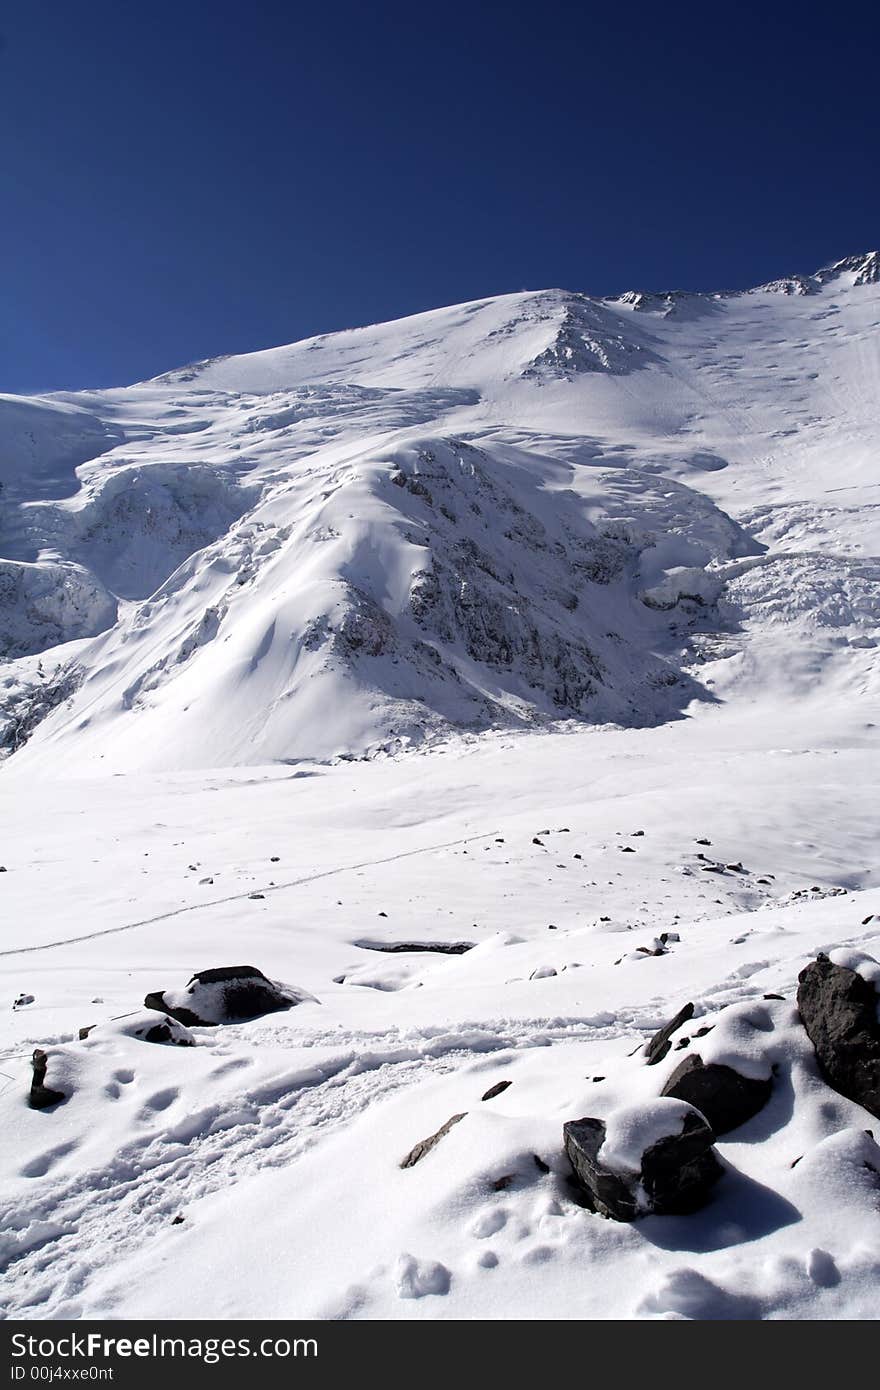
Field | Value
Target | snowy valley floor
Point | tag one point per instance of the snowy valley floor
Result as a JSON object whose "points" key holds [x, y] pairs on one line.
{"points": [[279, 1142]]}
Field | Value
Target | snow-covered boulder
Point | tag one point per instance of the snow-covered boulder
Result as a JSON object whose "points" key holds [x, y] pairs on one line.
{"points": [[153, 1028], [652, 1157], [838, 1003], [229, 994]]}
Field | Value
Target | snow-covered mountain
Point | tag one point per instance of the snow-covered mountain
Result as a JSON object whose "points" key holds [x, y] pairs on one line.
{"points": [[601, 575], [531, 508]]}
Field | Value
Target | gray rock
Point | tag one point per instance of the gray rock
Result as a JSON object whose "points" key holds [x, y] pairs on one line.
{"points": [[677, 1173], [726, 1098], [424, 1146], [839, 1012]]}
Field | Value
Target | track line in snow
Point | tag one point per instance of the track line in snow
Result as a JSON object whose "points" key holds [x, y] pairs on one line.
{"points": [[247, 893]]}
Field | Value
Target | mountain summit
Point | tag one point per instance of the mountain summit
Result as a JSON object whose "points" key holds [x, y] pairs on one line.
{"points": [[524, 509]]}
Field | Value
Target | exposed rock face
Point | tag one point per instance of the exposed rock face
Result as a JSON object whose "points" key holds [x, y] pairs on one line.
{"points": [[424, 1146], [726, 1098], [839, 1012], [230, 994], [588, 338], [42, 1096], [676, 1174], [864, 267]]}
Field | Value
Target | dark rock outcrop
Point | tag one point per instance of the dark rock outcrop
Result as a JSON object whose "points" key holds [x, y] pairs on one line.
{"points": [[677, 1173], [230, 994], [497, 1089], [839, 1012], [726, 1098], [41, 1096], [440, 948]]}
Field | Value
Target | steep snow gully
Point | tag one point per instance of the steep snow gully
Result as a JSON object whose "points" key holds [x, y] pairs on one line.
{"points": [[503, 682]]}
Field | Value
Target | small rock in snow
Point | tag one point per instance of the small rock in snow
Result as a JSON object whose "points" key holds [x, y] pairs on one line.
{"points": [[660, 1043], [424, 1146], [41, 1096], [496, 1090]]}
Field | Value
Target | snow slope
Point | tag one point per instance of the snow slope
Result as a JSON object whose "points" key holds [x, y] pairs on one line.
{"points": [[601, 576]]}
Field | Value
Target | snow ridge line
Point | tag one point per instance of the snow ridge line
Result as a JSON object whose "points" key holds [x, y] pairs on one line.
{"points": [[239, 897]]}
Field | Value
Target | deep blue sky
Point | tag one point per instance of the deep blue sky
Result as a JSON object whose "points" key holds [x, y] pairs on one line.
{"points": [[181, 180]]}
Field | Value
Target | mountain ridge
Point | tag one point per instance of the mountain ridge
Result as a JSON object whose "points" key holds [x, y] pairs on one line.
{"points": [[515, 511]]}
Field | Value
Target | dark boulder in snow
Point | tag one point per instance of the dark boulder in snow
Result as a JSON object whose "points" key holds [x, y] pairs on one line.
{"points": [[726, 1098], [656, 1157], [42, 1096], [496, 1090], [838, 1006], [229, 994], [658, 1046]]}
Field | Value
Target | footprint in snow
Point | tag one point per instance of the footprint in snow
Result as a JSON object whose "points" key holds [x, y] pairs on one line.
{"points": [[685, 1293], [161, 1100], [488, 1223], [43, 1163], [487, 1259], [822, 1269], [420, 1278], [537, 1255]]}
